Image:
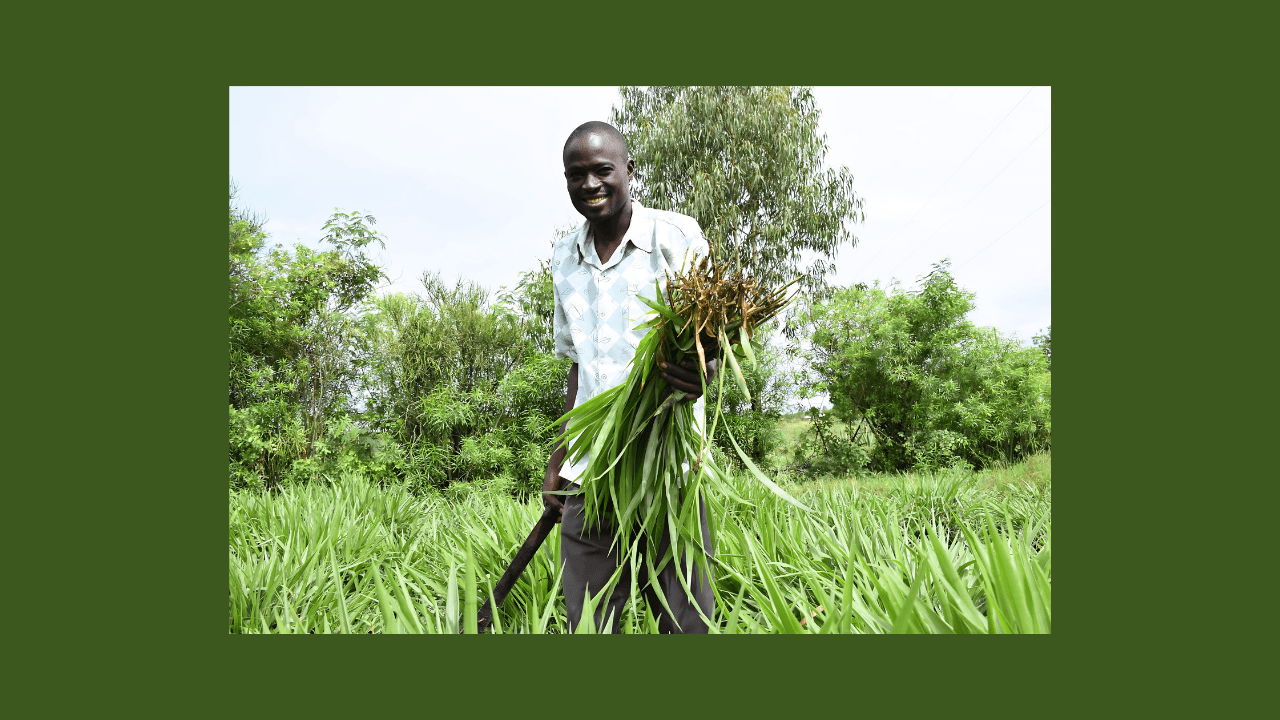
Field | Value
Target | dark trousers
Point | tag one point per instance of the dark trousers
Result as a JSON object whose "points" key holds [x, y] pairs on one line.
{"points": [[589, 563]]}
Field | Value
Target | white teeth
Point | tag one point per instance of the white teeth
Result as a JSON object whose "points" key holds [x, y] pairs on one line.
{"points": [[595, 201]]}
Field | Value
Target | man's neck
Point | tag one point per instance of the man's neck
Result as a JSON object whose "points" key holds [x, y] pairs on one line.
{"points": [[608, 234]]}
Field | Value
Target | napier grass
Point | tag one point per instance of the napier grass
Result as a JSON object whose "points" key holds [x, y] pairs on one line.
{"points": [[649, 463], [952, 552]]}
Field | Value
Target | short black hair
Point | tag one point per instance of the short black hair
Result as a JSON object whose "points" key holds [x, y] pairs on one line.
{"points": [[603, 128]]}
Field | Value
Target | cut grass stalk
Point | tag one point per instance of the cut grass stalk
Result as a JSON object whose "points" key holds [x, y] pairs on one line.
{"points": [[647, 469]]}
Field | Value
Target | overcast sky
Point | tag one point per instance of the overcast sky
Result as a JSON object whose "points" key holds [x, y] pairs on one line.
{"points": [[468, 181]]}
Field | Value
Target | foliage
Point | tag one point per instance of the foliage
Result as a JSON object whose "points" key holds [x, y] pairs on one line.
{"points": [[936, 553], [467, 386], [292, 347], [931, 388], [755, 430], [746, 162], [533, 300], [1042, 342], [825, 449]]}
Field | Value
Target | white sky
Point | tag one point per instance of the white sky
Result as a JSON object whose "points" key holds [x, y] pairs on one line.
{"points": [[486, 210]]}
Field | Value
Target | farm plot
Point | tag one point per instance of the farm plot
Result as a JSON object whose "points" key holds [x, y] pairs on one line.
{"points": [[945, 553]]}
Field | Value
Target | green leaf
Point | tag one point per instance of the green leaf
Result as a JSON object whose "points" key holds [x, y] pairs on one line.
{"points": [[737, 371], [389, 624], [746, 347], [666, 311], [470, 617], [761, 476]]}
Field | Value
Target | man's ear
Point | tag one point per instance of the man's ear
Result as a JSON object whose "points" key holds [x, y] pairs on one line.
{"points": [[631, 168]]}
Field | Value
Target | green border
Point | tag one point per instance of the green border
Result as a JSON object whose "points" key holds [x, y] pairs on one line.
{"points": [[153, 321]]}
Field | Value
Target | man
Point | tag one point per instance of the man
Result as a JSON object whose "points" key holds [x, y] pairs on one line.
{"points": [[597, 272]]}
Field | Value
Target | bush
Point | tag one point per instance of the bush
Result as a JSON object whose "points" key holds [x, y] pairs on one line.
{"points": [[754, 422], [293, 343], [933, 389], [467, 386], [823, 449]]}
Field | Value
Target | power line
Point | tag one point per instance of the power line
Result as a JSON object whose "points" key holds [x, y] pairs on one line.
{"points": [[1006, 232], [944, 183], [975, 195]]}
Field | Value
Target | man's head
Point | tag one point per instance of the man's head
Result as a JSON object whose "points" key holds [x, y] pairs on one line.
{"points": [[597, 171]]}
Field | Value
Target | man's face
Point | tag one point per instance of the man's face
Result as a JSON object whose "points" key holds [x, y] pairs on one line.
{"points": [[597, 177]]}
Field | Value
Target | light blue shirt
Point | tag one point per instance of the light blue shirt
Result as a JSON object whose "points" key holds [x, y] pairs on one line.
{"points": [[596, 310]]}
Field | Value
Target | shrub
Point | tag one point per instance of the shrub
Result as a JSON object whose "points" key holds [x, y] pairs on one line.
{"points": [[754, 422], [933, 389], [466, 385], [292, 345]]}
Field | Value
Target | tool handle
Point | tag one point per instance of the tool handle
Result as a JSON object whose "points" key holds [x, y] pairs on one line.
{"points": [[518, 564]]}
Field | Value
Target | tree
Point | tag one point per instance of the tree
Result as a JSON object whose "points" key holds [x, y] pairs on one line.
{"points": [[467, 386], [533, 300], [930, 387], [746, 162], [1042, 342], [292, 350]]}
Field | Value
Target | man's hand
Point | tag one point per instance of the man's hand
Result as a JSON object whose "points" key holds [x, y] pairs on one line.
{"points": [[684, 376], [552, 482]]}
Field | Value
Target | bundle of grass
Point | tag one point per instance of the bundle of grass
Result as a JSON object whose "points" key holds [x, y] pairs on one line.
{"points": [[648, 459]]}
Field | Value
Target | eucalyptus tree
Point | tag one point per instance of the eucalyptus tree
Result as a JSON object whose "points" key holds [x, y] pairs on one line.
{"points": [[747, 163]]}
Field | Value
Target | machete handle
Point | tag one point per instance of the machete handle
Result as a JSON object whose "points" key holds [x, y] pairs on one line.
{"points": [[523, 556]]}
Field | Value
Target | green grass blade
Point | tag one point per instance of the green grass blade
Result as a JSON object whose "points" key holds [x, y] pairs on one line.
{"points": [[389, 624], [745, 340]]}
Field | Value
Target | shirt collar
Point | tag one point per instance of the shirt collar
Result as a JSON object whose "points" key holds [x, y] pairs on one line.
{"points": [[639, 233]]}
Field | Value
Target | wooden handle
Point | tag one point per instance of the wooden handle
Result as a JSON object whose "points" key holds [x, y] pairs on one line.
{"points": [[518, 564]]}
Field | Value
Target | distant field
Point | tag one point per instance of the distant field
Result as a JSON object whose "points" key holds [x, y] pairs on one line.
{"points": [[1034, 470], [792, 427]]}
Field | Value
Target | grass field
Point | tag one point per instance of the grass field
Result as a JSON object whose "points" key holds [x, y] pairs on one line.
{"points": [[952, 552]]}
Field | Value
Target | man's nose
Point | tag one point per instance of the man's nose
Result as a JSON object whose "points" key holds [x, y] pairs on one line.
{"points": [[592, 181]]}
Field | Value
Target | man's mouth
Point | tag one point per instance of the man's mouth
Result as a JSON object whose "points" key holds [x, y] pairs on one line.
{"points": [[595, 201]]}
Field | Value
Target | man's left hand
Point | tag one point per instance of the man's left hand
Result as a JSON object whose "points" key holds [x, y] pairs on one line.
{"points": [[684, 376]]}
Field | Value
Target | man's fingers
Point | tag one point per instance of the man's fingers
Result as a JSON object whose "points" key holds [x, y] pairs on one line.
{"points": [[681, 384], [687, 372], [553, 501]]}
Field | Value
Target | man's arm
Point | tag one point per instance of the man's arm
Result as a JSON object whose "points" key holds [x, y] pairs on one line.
{"points": [[552, 479]]}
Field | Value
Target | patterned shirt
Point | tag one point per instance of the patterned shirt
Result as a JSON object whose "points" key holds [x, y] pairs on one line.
{"points": [[596, 309]]}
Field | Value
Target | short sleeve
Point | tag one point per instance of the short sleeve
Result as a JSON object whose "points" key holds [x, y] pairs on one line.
{"points": [[561, 331], [685, 244]]}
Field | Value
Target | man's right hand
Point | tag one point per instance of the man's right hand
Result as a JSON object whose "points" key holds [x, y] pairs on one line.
{"points": [[552, 482]]}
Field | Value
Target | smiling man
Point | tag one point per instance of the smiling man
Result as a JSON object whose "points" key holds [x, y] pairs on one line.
{"points": [[598, 271]]}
